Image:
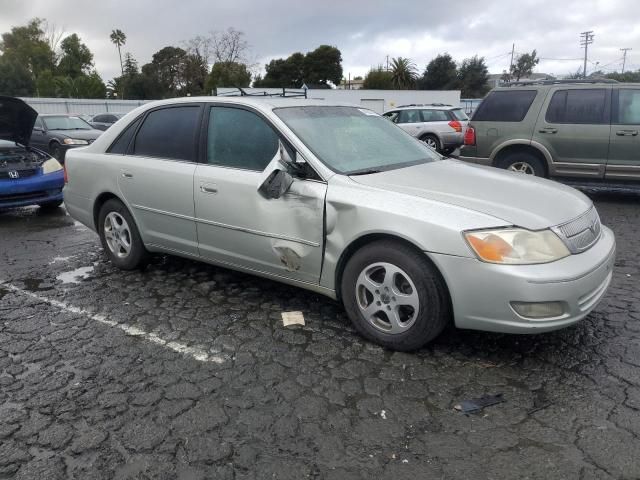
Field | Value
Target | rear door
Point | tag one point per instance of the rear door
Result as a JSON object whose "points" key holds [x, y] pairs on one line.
{"points": [[156, 175], [624, 147], [574, 127], [236, 224]]}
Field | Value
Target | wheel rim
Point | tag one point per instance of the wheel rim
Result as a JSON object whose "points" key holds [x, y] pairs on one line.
{"points": [[387, 298], [117, 234], [522, 167], [431, 142]]}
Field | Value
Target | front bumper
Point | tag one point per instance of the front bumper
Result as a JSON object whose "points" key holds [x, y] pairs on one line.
{"points": [[33, 190], [481, 292]]}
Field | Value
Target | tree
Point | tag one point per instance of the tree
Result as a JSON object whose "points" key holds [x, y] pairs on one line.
{"points": [[323, 65], [524, 65], [228, 74], [281, 72], [84, 86], [440, 74], [229, 46], [167, 65], [118, 38], [195, 75], [473, 77], [378, 79], [626, 77], [25, 51], [130, 67], [76, 58], [403, 73]]}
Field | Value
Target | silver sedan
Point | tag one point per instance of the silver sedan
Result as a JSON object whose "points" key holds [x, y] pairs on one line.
{"points": [[335, 199]]}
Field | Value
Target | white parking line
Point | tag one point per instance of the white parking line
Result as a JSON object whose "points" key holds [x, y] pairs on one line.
{"points": [[197, 353]]}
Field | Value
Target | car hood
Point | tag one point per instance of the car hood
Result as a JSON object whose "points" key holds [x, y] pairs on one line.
{"points": [[515, 198], [16, 120], [79, 134]]}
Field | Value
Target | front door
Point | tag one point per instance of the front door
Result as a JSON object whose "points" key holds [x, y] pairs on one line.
{"points": [[156, 176], [624, 148], [410, 121], [236, 224], [574, 127]]}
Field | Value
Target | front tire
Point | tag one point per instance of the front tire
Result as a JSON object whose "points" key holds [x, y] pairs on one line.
{"points": [[432, 141], [120, 237], [394, 296], [523, 162]]}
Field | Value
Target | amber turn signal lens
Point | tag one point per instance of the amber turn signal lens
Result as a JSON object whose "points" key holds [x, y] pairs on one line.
{"points": [[492, 248]]}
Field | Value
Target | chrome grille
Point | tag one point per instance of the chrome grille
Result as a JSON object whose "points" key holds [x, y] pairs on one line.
{"points": [[580, 233]]}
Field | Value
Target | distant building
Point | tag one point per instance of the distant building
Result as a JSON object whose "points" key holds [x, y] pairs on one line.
{"points": [[351, 84]]}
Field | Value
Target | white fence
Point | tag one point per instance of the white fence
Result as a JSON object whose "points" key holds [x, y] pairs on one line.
{"points": [[377, 100], [82, 106]]}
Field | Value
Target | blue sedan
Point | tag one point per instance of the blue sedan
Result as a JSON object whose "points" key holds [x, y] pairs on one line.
{"points": [[27, 176]]}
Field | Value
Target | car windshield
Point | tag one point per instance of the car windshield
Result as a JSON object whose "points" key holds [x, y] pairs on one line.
{"points": [[66, 123], [352, 140]]}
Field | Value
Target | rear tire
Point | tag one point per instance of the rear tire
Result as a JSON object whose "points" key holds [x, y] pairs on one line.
{"points": [[394, 296], [50, 206], [432, 141], [56, 151], [523, 162], [120, 236]]}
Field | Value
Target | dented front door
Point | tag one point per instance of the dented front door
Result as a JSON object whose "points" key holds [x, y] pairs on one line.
{"points": [[238, 226]]}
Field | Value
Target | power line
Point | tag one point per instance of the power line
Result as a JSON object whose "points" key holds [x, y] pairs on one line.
{"points": [[586, 39], [624, 56]]}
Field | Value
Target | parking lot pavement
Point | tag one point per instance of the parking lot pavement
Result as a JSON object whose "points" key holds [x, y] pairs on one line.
{"points": [[185, 371]]}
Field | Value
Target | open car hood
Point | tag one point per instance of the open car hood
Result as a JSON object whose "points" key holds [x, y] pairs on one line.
{"points": [[16, 120]]}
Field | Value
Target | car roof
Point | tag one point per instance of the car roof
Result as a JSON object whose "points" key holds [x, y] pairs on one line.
{"points": [[426, 106], [256, 101]]}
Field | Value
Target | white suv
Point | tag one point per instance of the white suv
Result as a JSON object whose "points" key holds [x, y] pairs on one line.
{"points": [[440, 126]]}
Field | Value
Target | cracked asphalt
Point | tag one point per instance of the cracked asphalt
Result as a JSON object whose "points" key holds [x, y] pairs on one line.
{"points": [[185, 371]]}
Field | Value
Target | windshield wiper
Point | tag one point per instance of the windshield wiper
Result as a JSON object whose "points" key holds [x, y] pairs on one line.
{"points": [[365, 172]]}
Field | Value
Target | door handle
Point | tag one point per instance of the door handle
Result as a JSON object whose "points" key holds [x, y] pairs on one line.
{"points": [[127, 175], [208, 189], [548, 130], [627, 133]]}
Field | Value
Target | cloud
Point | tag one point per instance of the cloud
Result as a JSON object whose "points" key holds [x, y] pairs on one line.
{"points": [[366, 31]]}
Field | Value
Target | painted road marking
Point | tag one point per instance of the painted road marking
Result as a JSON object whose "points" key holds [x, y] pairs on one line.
{"points": [[197, 353]]}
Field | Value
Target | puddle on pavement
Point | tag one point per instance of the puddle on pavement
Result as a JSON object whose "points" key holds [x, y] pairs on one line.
{"points": [[34, 284], [75, 276]]}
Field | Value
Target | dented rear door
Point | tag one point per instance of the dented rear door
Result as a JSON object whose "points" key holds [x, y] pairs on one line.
{"points": [[236, 224]]}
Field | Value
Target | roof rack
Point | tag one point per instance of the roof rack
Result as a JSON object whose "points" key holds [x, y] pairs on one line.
{"points": [[558, 82], [425, 105], [241, 92]]}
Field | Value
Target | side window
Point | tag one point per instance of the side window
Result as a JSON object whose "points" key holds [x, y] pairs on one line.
{"points": [[110, 119], [38, 123], [99, 118], [409, 116], [393, 116], [628, 107], [578, 107], [121, 145], [169, 133], [239, 138], [434, 116], [505, 106]]}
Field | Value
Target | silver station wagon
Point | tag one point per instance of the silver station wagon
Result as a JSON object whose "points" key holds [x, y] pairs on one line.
{"points": [[338, 200]]}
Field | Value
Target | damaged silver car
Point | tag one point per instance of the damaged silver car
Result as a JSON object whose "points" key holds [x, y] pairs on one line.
{"points": [[335, 199]]}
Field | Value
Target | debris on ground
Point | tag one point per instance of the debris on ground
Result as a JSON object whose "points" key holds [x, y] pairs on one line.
{"points": [[476, 404], [292, 318]]}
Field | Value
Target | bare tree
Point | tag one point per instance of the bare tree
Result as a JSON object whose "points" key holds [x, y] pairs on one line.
{"points": [[53, 35], [200, 47], [229, 46]]}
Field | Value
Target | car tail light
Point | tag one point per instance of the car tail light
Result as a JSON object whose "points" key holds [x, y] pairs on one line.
{"points": [[470, 136], [456, 125], [66, 179]]}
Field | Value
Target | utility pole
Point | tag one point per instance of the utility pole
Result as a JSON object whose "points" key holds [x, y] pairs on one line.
{"points": [[586, 39], [624, 56], [513, 49]]}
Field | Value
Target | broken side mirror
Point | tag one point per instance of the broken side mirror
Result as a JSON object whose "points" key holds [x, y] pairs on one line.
{"points": [[276, 184]]}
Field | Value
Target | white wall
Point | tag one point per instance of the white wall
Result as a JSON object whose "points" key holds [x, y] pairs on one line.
{"points": [[78, 106], [378, 100]]}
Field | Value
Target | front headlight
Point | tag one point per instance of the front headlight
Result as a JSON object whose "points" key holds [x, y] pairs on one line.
{"points": [[50, 166], [75, 141], [516, 246]]}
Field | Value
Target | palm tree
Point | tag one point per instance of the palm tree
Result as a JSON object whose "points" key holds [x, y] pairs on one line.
{"points": [[403, 73], [118, 38]]}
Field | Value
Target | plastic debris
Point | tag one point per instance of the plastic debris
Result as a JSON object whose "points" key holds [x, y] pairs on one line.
{"points": [[476, 404], [292, 318]]}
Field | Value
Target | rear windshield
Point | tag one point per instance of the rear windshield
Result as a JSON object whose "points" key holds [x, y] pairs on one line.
{"points": [[459, 114], [505, 106]]}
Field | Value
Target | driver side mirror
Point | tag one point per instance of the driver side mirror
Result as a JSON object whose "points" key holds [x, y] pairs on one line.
{"points": [[276, 184]]}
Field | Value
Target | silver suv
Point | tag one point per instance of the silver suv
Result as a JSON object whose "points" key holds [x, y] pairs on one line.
{"points": [[441, 127], [335, 199]]}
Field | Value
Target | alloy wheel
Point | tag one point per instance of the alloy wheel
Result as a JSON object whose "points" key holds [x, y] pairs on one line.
{"points": [[522, 167], [387, 298], [117, 234]]}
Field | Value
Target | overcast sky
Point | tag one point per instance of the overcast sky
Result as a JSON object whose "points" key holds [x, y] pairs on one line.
{"points": [[366, 31]]}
